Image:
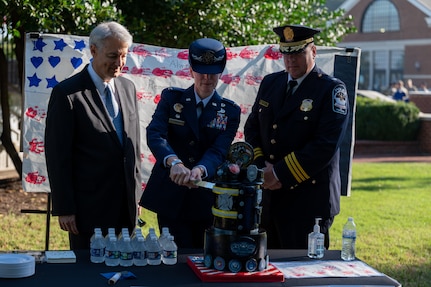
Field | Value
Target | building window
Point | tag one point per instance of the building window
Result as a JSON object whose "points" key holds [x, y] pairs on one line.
{"points": [[381, 16]]}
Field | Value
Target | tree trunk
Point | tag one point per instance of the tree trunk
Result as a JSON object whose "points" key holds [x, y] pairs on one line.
{"points": [[5, 137]]}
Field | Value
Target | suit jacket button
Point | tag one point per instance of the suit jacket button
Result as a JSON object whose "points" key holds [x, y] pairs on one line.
{"points": [[192, 143], [271, 156], [313, 181], [191, 159], [273, 141], [274, 126]]}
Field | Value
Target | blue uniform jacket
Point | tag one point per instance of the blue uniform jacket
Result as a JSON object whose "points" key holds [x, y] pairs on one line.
{"points": [[301, 137], [175, 129]]}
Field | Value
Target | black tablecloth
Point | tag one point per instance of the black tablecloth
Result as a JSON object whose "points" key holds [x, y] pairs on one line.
{"points": [[84, 273]]}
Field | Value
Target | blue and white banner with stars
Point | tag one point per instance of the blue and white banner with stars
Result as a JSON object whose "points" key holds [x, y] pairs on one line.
{"points": [[50, 58]]}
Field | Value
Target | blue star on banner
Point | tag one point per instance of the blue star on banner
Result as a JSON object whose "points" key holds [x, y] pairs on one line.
{"points": [[51, 82], [34, 80], [39, 44], [79, 45], [59, 45]]}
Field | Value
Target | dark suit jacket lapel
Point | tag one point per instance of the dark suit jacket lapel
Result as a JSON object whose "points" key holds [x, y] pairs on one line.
{"points": [[122, 93], [95, 103]]}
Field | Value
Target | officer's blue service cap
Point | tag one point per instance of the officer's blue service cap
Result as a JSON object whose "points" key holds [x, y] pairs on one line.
{"points": [[295, 38], [207, 56]]}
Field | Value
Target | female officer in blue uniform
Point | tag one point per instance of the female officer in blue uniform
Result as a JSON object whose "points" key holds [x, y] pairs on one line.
{"points": [[189, 143], [296, 133]]}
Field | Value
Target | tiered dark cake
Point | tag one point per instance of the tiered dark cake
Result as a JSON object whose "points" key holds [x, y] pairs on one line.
{"points": [[235, 243]]}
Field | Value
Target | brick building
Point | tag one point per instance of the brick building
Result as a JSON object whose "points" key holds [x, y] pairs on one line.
{"points": [[394, 37]]}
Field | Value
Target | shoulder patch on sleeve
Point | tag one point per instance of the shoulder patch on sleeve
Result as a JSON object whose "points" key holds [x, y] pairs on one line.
{"points": [[339, 100]]}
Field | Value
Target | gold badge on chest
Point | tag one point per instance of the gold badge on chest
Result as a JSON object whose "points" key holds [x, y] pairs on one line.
{"points": [[307, 105]]}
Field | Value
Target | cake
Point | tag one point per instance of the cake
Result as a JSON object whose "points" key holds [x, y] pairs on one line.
{"points": [[235, 242]]}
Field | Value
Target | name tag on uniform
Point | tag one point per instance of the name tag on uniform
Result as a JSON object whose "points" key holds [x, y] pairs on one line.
{"points": [[263, 103], [176, 122]]}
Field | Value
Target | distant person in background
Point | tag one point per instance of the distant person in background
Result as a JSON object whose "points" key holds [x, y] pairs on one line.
{"points": [[401, 93], [410, 87], [423, 87]]}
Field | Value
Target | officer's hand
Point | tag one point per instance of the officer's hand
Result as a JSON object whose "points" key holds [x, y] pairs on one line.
{"points": [[180, 174], [269, 180], [195, 176]]}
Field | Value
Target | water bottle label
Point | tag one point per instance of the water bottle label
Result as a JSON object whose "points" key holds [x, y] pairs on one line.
{"points": [[154, 255], [170, 254], [96, 252], [112, 254], [126, 255], [137, 255]]}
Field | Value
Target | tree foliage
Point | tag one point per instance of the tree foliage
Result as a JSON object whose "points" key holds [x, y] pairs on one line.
{"points": [[176, 23]]}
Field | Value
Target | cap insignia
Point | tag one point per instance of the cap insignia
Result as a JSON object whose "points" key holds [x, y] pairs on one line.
{"points": [[288, 34], [207, 58]]}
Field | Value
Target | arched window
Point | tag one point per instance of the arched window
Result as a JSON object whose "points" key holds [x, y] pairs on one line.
{"points": [[381, 16]]}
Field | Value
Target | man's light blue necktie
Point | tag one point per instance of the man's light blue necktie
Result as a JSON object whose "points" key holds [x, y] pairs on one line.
{"points": [[114, 113]]}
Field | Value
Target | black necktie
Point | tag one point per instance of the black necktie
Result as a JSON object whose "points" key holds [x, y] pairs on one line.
{"points": [[289, 92], [290, 86], [199, 108]]}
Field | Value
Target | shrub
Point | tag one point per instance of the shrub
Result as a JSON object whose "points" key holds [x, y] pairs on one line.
{"points": [[378, 120]]}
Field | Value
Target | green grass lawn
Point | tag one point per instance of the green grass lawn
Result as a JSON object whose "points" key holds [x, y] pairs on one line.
{"points": [[389, 202]]}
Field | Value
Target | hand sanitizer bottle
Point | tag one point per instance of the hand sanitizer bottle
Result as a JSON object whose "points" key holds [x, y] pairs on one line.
{"points": [[316, 241]]}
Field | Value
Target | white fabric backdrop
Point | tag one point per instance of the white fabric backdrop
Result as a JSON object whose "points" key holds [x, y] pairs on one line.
{"points": [[51, 58]]}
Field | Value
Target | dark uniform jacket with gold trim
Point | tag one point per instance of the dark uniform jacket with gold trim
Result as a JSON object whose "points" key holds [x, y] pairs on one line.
{"points": [[175, 129], [301, 137]]}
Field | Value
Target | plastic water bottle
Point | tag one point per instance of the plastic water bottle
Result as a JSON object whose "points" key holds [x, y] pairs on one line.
{"points": [[137, 231], [170, 249], [349, 240], [164, 236], [154, 251], [111, 232], [126, 252], [124, 233], [112, 254], [97, 248], [151, 232], [96, 230], [139, 251]]}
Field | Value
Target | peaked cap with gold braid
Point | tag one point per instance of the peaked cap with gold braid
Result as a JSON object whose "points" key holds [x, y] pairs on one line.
{"points": [[294, 38]]}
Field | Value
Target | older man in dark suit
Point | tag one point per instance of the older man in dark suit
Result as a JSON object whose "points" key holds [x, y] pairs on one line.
{"points": [[190, 134], [92, 142]]}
